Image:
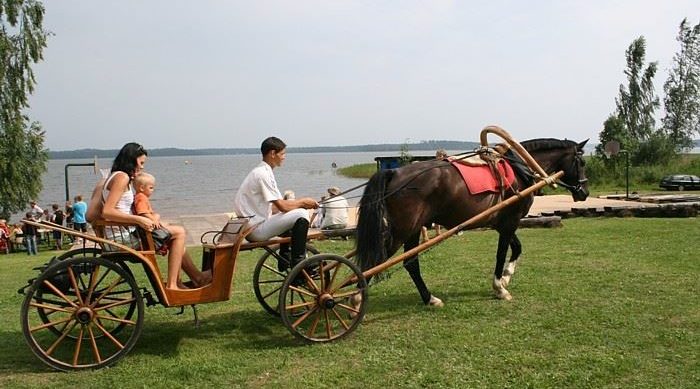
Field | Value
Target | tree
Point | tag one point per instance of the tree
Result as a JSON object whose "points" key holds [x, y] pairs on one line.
{"points": [[22, 153], [682, 89], [638, 101]]}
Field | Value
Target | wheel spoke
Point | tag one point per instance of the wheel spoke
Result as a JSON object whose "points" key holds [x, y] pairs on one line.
{"points": [[125, 321], [106, 292], [109, 335], [273, 292], [302, 291], [322, 275], [116, 304], [93, 342], [312, 329], [304, 317], [49, 307], [60, 339], [74, 283], [50, 324], [301, 305], [346, 294], [310, 281], [271, 282], [270, 268], [329, 331], [340, 319], [59, 293], [78, 344], [349, 308], [93, 277]]}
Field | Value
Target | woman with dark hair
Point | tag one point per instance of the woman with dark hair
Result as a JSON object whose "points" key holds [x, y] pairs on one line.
{"points": [[118, 197]]}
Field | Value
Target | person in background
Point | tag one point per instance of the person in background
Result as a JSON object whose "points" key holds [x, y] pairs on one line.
{"points": [[335, 207], [257, 195], [4, 236], [69, 218], [57, 218], [16, 237], [29, 233], [35, 210], [79, 209]]}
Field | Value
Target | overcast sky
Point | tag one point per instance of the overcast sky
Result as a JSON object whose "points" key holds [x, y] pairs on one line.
{"points": [[196, 74]]}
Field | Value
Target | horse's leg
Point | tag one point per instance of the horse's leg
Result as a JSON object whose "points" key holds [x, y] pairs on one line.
{"points": [[412, 265], [515, 249], [356, 299], [504, 239]]}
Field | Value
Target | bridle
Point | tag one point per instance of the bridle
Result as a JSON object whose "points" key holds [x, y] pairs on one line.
{"points": [[577, 164]]}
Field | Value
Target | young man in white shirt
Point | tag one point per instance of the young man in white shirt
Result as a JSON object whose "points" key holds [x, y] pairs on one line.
{"points": [[258, 193]]}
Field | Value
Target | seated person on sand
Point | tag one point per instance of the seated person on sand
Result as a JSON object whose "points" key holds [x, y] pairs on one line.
{"points": [[335, 211], [118, 198]]}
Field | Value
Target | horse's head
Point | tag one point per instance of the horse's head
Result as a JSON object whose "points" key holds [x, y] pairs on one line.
{"points": [[565, 155]]}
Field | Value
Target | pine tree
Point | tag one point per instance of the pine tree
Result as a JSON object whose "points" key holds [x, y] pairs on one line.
{"points": [[22, 153]]}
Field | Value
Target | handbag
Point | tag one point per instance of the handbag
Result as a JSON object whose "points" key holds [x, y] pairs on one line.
{"points": [[161, 237]]}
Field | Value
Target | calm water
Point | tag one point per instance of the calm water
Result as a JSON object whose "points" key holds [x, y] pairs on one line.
{"points": [[206, 184]]}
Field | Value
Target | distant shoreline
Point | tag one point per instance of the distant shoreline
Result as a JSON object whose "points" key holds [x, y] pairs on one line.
{"points": [[171, 151]]}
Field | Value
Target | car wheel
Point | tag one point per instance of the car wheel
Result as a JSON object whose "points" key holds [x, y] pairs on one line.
{"points": [[681, 188]]}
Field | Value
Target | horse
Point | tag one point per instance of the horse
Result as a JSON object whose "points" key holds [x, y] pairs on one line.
{"points": [[397, 203]]}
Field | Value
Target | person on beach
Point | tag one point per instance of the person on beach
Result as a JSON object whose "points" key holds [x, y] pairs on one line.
{"points": [[118, 198], [79, 209], [35, 210], [57, 218], [335, 215], [257, 195]]}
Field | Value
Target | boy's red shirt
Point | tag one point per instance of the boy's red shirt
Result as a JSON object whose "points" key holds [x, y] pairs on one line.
{"points": [[142, 204]]}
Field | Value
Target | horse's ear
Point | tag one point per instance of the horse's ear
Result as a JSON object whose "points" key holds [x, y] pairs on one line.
{"points": [[580, 145]]}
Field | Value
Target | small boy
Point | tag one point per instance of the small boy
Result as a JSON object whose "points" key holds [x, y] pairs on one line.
{"points": [[145, 184]]}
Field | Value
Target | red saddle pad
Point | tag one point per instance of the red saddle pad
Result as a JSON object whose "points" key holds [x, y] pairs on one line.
{"points": [[480, 179]]}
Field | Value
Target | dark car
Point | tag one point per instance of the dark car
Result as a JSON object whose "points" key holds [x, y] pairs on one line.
{"points": [[680, 182]]}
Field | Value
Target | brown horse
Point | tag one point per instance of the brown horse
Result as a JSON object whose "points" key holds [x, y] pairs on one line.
{"points": [[397, 203]]}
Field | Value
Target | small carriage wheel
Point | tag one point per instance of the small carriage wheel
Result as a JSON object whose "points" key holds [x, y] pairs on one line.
{"points": [[91, 298], [87, 252], [269, 275], [325, 287]]}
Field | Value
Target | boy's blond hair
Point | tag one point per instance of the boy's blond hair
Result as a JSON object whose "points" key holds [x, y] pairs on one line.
{"points": [[143, 179]]}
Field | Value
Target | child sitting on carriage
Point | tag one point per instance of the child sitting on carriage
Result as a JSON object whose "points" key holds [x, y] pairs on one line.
{"points": [[144, 185]]}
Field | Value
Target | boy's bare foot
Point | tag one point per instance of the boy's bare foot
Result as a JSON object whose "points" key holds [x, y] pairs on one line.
{"points": [[204, 279]]}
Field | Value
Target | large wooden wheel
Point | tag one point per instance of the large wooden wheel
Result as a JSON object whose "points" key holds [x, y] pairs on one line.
{"points": [[317, 298], [79, 314], [51, 298], [269, 275]]}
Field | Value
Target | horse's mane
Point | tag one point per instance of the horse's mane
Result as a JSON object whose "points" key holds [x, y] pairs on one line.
{"points": [[547, 143]]}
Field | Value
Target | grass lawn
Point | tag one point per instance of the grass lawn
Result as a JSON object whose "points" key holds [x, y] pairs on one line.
{"points": [[598, 303]]}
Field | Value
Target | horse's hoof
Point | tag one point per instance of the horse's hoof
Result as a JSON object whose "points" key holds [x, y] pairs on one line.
{"points": [[505, 295], [505, 280], [355, 302], [435, 302]]}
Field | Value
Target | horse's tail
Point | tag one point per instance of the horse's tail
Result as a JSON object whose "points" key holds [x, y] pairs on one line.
{"points": [[372, 224]]}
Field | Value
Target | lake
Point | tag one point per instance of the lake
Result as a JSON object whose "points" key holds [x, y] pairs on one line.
{"points": [[197, 185]]}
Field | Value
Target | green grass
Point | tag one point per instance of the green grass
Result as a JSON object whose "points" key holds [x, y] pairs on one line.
{"points": [[363, 170], [597, 303]]}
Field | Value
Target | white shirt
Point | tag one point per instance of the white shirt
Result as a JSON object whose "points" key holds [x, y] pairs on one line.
{"points": [[335, 212], [256, 193]]}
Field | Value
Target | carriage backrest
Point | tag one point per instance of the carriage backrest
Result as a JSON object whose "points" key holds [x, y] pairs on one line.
{"points": [[123, 233], [232, 233]]}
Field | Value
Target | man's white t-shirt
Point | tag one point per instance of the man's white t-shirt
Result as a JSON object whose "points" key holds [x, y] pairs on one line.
{"points": [[258, 189]]}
